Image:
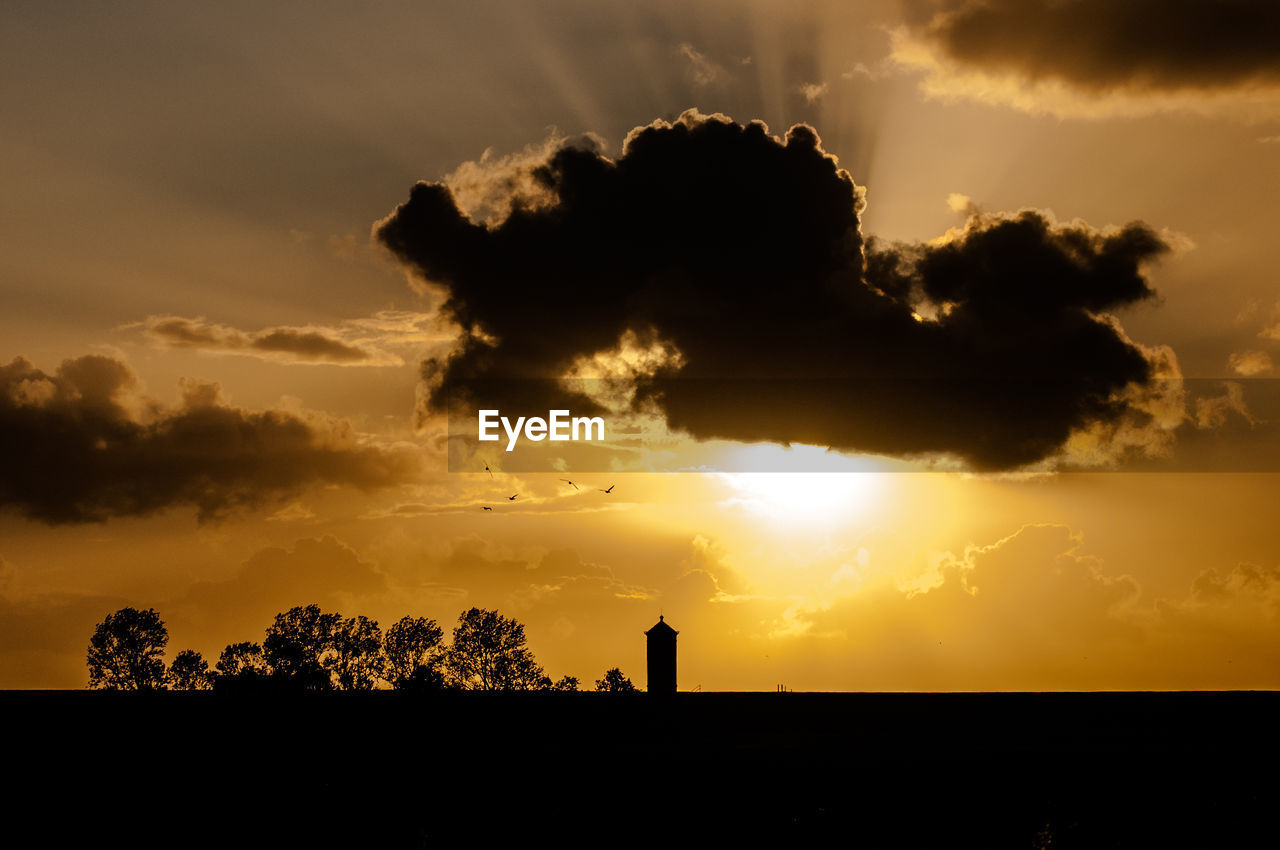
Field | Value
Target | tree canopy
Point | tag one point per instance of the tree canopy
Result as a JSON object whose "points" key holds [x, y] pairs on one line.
{"points": [[357, 658], [299, 645], [413, 653], [189, 672], [489, 653], [615, 683], [243, 660], [311, 649], [126, 651]]}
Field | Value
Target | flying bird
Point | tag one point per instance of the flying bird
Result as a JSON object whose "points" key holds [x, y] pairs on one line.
{"points": [[610, 490], [570, 483], [486, 508], [512, 498]]}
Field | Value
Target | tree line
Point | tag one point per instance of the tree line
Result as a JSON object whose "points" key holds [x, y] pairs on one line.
{"points": [[306, 648]]}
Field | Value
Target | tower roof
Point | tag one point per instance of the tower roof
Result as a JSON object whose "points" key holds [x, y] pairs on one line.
{"points": [[661, 628]]}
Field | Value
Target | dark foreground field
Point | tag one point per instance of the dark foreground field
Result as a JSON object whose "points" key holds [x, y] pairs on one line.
{"points": [[386, 769]]}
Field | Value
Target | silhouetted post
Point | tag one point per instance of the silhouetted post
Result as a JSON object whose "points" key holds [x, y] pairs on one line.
{"points": [[662, 658]]}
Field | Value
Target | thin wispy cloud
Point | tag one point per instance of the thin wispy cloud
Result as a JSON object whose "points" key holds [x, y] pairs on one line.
{"points": [[378, 340]]}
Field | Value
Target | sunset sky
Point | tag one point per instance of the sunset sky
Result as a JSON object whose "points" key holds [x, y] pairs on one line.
{"points": [[1008, 292]]}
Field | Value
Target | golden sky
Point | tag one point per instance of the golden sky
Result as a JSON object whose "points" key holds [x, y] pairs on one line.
{"points": [[228, 323]]}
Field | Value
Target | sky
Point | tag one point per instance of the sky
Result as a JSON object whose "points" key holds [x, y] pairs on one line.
{"points": [[936, 341]]}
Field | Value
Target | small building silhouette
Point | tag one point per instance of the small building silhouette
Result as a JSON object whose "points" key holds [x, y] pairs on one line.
{"points": [[662, 658]]}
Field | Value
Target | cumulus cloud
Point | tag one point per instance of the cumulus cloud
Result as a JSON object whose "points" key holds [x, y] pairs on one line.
{"points": [[1093, 57], [1250, 363], [742, 254], [958, 203], [877, 71], [1271, 332], [475, 567], [1025, 611], [486, 189], [812, 92], [82, 445], [1214, 586], [357, 342], [702, 70], [1215, 411], [1224, 633], [322, 570], [1037, 610]]}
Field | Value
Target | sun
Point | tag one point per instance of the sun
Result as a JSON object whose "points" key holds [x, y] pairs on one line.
{"points": [[830, 488]]}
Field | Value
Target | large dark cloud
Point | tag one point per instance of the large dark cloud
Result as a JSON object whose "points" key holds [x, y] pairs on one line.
{"points": [[74, 449], [744, 252], [1102, 44]]}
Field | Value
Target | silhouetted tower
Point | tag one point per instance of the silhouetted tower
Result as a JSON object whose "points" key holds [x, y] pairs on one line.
{"points": [[662, 658]]}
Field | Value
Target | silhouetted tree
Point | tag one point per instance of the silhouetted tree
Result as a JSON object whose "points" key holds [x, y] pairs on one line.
{"points": [[413, 652], [298, 645], [126, 651], [357, 654], [566, 683], [489, 654], [427, 679], [189, 672], [242, 660], [615, 683]]}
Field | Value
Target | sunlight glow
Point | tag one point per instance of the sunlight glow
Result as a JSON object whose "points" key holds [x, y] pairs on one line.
{"points": [[842, 491]]}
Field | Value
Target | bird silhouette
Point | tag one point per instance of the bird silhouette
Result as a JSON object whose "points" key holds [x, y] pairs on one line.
{"points": [[512, 498], [570, 483], [486, 508], [610, 490]]}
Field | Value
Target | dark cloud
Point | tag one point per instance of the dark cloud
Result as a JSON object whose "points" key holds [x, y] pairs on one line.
{"points": [[79, 446], [297, 344], [1100, 45], [308, 345], [744, 253]]}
